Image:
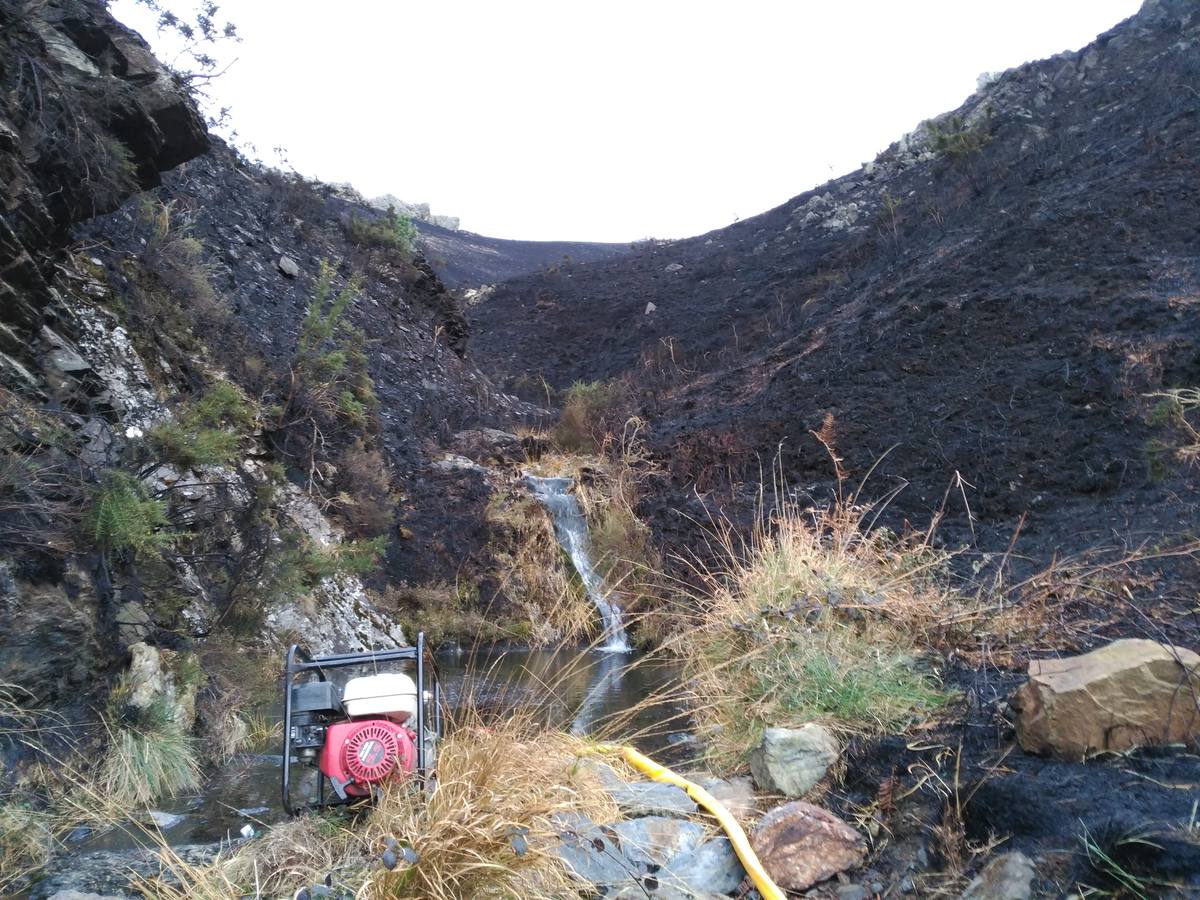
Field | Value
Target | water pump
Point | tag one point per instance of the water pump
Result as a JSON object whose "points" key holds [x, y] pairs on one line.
{"points": [[374, 729]]}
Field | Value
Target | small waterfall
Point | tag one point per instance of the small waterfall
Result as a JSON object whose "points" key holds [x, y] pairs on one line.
{"points": [[570, 527]]}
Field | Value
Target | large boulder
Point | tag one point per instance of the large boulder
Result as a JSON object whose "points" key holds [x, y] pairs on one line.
{"points": [[800, 844], [1127, 694], [790, 761]]}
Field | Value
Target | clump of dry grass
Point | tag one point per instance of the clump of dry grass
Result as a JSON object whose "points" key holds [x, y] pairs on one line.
{"points": [[485, 827], [817, 617], [490, 826], [27, 836]]}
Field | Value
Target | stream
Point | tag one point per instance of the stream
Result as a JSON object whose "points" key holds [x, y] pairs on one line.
{"points": [[608, 692], [587, 693]]}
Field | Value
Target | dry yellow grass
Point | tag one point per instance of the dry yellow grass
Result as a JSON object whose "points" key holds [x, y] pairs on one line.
{"points": [[486, 828]]}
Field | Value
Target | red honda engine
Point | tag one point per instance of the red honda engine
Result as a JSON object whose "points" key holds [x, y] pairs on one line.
{"points": [[359, 754]]}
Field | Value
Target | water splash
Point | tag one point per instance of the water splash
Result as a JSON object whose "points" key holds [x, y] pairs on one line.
{"points": [[570, 527]]}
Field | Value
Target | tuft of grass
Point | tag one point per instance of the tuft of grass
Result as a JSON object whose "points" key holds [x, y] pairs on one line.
{"points": [[123, 517], [593, 412], [955, 140], [816, 618], [394, 232], [147, 759], [26, 840]]}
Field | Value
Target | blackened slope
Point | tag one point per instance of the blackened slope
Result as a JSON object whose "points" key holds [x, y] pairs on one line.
{"points": [[466, 260], [998, 309]]}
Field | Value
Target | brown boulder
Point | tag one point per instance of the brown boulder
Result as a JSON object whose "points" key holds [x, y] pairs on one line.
{"points": [[1127, 694], [800, 844]]}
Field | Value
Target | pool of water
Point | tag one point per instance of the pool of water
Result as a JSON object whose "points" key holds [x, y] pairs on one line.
{"points": [[612, 696]]}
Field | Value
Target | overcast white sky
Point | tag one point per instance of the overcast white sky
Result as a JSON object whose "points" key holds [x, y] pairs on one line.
{"points": [[614, 120]]}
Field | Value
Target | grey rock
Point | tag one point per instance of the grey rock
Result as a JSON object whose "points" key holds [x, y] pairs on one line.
{"points": [[133, 624], [645, 798], [109, 874], [736, 794], [650, 307], [80, 895], [713, 867], [288, 266], [791, 761], [1007, 877], [673, 267], [658, 839], [852, 892], [163, 821]]}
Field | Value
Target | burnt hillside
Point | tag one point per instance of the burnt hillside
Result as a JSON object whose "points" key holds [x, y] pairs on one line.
{"points": [[995, 295]]}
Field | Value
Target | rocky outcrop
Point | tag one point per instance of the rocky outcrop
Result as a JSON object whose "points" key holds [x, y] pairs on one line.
{"points": [[1127, 694], [87, 117], [419, 212]]}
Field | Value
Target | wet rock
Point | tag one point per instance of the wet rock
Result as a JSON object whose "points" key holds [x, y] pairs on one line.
{"points": [[790, 761], [288, 266], [1127, 694], [110, 874], [800, 844], [1007, 877]]}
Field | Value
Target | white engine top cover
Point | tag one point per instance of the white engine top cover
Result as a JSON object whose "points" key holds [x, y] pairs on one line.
{"points": [[389, 694]]}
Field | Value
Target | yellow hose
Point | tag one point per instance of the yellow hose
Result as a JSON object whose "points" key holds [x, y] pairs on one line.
{"points": [[741, 844]]}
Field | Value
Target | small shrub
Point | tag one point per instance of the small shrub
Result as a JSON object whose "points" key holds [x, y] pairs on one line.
{"points": [[955, 140], [593, 411], [365, 500], [207, 431], [394, 232], [124, 518], [346, 558], [1179, 411]]}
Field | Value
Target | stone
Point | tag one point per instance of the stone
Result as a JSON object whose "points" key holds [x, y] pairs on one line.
{"points": [[673, 267], [1126, 694], [800, 844], [1006, 877], [852, 892], [133, 624], [712, 867], [644, 798], [80, 895], [288, 266], [163, 820], [790, 761], [735, 794], [650, 307], [658, 840], [489, 445]]}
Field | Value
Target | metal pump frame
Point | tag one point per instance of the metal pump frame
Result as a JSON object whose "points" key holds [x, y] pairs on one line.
{"points": [[299, 661]]}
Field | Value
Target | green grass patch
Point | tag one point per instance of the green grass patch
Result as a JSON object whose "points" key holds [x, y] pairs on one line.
{"points": [[123, 517]]}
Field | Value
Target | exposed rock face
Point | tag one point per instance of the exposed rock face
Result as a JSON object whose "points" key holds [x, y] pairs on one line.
{"points": [[800, 844], [104, 121], [790, 761], [419, 212], [1127, 694]]}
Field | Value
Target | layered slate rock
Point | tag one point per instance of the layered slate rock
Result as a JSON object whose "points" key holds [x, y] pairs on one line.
{"points": [[1127, 694]]}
